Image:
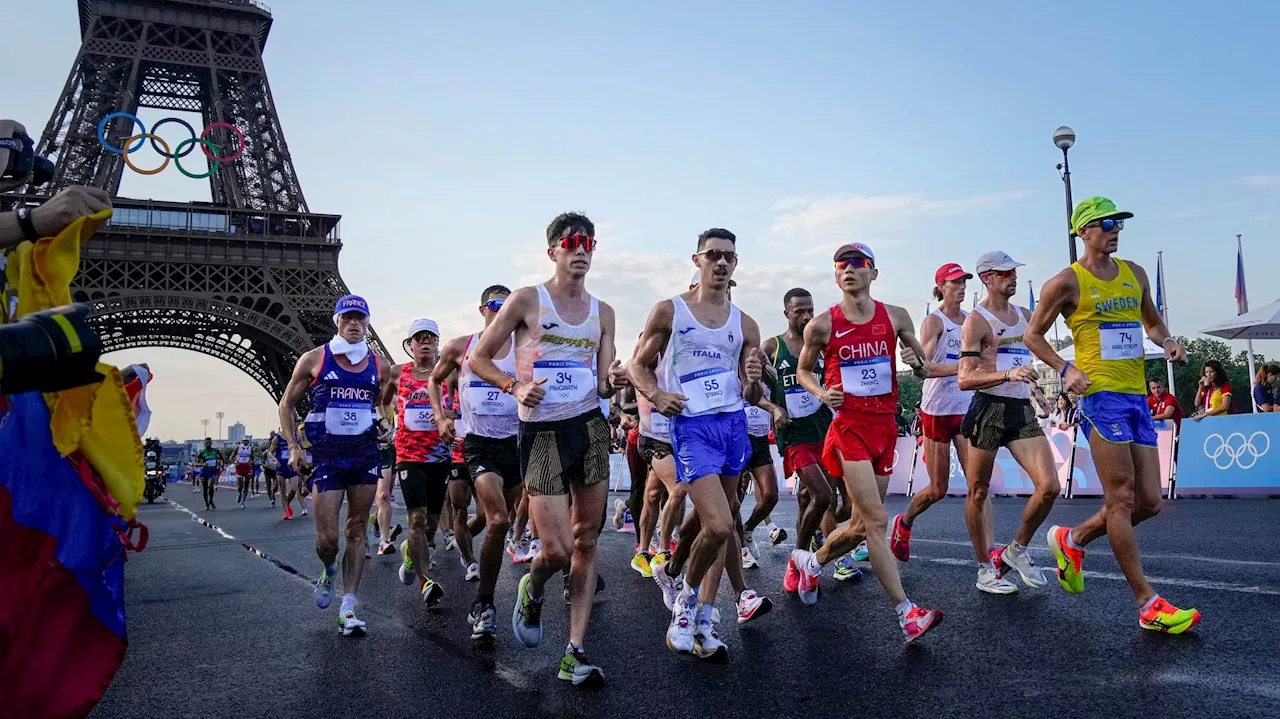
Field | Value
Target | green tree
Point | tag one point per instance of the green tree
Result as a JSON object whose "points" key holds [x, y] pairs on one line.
{"points": [[1187, 377], [909, 391]]}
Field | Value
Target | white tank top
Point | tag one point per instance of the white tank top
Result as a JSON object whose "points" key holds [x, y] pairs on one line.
{"points": [[702, 363], [244, 454], [1011, 353], [564, 355], [653, 424], [486, 410], [942, 396], [759, 421]]}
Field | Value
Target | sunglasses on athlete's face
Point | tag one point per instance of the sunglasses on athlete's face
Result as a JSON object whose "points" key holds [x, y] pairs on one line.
{"points": [[573, 242], [1003, 274], [716, 255], [494, 305], [1107, 224], [857, 262]]}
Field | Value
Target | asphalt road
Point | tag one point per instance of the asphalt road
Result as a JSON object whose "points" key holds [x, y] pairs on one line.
{"points": [[218, 631]]}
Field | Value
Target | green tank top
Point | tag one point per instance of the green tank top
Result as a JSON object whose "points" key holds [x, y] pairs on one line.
{"points": [[802, 430]]}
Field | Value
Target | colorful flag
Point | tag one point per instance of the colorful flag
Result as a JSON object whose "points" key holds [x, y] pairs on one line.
{"points": [[1160, 287], [1242, 297], [1032, 290]]}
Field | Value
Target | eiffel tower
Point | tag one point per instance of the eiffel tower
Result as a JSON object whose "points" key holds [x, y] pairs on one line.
{"points": [[251, 277]]}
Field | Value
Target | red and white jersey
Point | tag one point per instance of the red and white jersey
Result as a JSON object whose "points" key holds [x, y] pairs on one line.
{"points": [[860, 359], [417, 437]]}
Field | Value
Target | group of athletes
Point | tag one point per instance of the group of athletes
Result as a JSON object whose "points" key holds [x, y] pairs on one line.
{"points": [[516, 416]]}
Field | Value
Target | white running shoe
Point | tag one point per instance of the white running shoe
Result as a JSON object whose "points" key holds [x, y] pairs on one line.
{"points": [[324, 589], [350, 626], [619, 510], [680, 633], [810, 575], [535, 547], [748, 561], [750, 544], [520, 554], [751, 606], [1032, 576], [990, 581], [473, 572], [671, 587], [449, 541], [707, 644], [407, 575]]}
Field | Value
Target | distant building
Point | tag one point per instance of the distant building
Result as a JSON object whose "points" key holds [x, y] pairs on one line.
{"points": [[235, 432]]}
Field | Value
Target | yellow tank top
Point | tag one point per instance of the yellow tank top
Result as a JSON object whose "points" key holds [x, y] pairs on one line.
{"points": [[1108, 332]]}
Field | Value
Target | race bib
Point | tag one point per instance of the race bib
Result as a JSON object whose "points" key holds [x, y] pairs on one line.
{"points": [[758, 421], [801, 402], [418, 417], [868, 377], [660, 423], [707, 389], [566, 380], [347, 419], [1008, 358], [1120, 340], [486, 399], [211, 463]]}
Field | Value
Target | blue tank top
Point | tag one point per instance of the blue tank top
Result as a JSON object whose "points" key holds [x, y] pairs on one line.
{"points": [[342, 424]]}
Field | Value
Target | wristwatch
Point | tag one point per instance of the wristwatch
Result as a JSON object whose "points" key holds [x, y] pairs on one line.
{"points": [[24, 221]]}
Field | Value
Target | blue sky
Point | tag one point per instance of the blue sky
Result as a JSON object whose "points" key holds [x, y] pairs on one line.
{"points": [[448, 134]]}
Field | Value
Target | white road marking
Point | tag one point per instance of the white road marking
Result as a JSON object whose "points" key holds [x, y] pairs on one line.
{"points": [[1171, 581], [1181, 557]]}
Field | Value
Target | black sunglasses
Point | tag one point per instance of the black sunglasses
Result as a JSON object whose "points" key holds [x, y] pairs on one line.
{"points": [[716, 255]]}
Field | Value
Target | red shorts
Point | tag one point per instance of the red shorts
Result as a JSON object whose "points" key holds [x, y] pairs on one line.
{"points": [[862, 437], [244, 469], [941, 428], [796, 457]]}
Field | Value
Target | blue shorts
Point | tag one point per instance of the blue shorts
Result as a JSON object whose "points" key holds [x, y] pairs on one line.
{"points": [[1118, 418], [710, 444], [208, 473], [328, 477]]}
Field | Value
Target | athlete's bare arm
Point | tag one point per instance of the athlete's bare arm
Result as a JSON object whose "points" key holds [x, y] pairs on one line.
{"points": [[450, 361], [518, 314], [1154, 323], [386, 383], [905, 329], [657, 332], [303, 372], [930, 334], [1058, 296], [978, 372], [389, 391], [751, 361], [615, 375], [816, 336], [770, 349]]}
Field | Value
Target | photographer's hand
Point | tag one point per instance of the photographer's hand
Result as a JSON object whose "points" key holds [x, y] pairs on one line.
{"points": [[61, 210]]}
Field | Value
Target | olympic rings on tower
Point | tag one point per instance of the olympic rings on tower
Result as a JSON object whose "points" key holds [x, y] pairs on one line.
{"points": [[184, 148]]}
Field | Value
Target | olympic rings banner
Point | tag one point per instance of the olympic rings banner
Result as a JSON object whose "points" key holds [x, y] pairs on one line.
{"points": [[1232, 454], [184, 148]]}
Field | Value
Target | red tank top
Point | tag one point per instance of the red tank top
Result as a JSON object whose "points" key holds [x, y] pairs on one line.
{"points": [[452, 402], [858, 358], [417, 439]]}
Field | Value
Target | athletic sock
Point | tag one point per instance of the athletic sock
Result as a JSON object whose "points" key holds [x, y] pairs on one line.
{"points": [[990, 567], [348, 603], [1017, 548], [772, 527], [1071, 542], [332, 570], [1150, 601], [703, 613], [903, 609]]}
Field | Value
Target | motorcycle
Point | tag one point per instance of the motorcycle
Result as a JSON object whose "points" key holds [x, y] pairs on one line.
{"points": [[157, 480]]}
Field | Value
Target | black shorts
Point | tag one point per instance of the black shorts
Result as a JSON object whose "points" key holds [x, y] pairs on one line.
{"points": [[424, 484], [555, 454], [993, 422], [458, 472], [386, 456], [653, 449], [761, 455], [488, 455]]}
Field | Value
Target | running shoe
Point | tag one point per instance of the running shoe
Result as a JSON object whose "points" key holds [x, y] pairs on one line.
{"points": [[918, 621], [990, 581], [750, 544], [846, 571], [659, 559], [407, 573], [670, 586], [1020, 560], [473, 572], [810, 575], [288, 512], [748, 561], [900, 540], [395, 532], [484, 624], [777, 536], [574, 667], [273, 502], [619, 509], [1070, 560], [350, 626], [817, 540], [680, 632], [628, 525], [1162, 616], [324, 589], [654, 545], [535, 547], [641, 564], [752, 606], [431, 593], [860, 553], [707, 644], [520, 553], [449, 541], [304, 511], [791, 578], [526, 618], [385, 547]]}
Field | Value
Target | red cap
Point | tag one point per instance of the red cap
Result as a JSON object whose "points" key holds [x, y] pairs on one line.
{"points": [[950, 271]]}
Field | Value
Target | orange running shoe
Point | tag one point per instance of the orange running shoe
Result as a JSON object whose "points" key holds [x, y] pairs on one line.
{"points": [[1162, 616], [791, 578], [900, 540], [920, 620], [1070, 560]]}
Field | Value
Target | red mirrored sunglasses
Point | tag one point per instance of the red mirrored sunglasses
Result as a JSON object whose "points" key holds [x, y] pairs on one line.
{"points": [[573, 242]]}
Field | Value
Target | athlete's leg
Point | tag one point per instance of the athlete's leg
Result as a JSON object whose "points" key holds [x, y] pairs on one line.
{"points": [[732, 547], [814, 480], [493, 505], [649, 513], [1118, 466], [383, 500], [522, 514], [937, 460], [673, 510], [550, 517], [766, 479], [639, 473], [865, 490], [418, 549], [587, 514], [459, 502], [1036, 457], [327, 506], [978, 475], [716, 520], [359, 499]]}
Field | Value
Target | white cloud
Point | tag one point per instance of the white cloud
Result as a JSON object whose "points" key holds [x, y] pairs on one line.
{"points": [[1260, 181]]}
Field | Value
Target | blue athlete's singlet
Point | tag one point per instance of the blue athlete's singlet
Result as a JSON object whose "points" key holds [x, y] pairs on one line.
{"points": [[342, 423]]}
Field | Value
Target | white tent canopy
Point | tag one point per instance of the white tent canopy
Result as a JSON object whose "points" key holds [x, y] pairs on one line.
{"points": [[1260, 324]]}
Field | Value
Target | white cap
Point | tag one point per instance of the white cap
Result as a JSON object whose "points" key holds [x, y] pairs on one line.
{"points": [[423, 325], [996, 260]]}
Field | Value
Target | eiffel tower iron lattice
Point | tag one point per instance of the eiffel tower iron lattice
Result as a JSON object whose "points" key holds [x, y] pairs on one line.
{"points": [[250, 278]]}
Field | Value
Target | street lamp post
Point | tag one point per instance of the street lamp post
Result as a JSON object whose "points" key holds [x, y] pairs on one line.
{"points": [[1064, 137]]}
